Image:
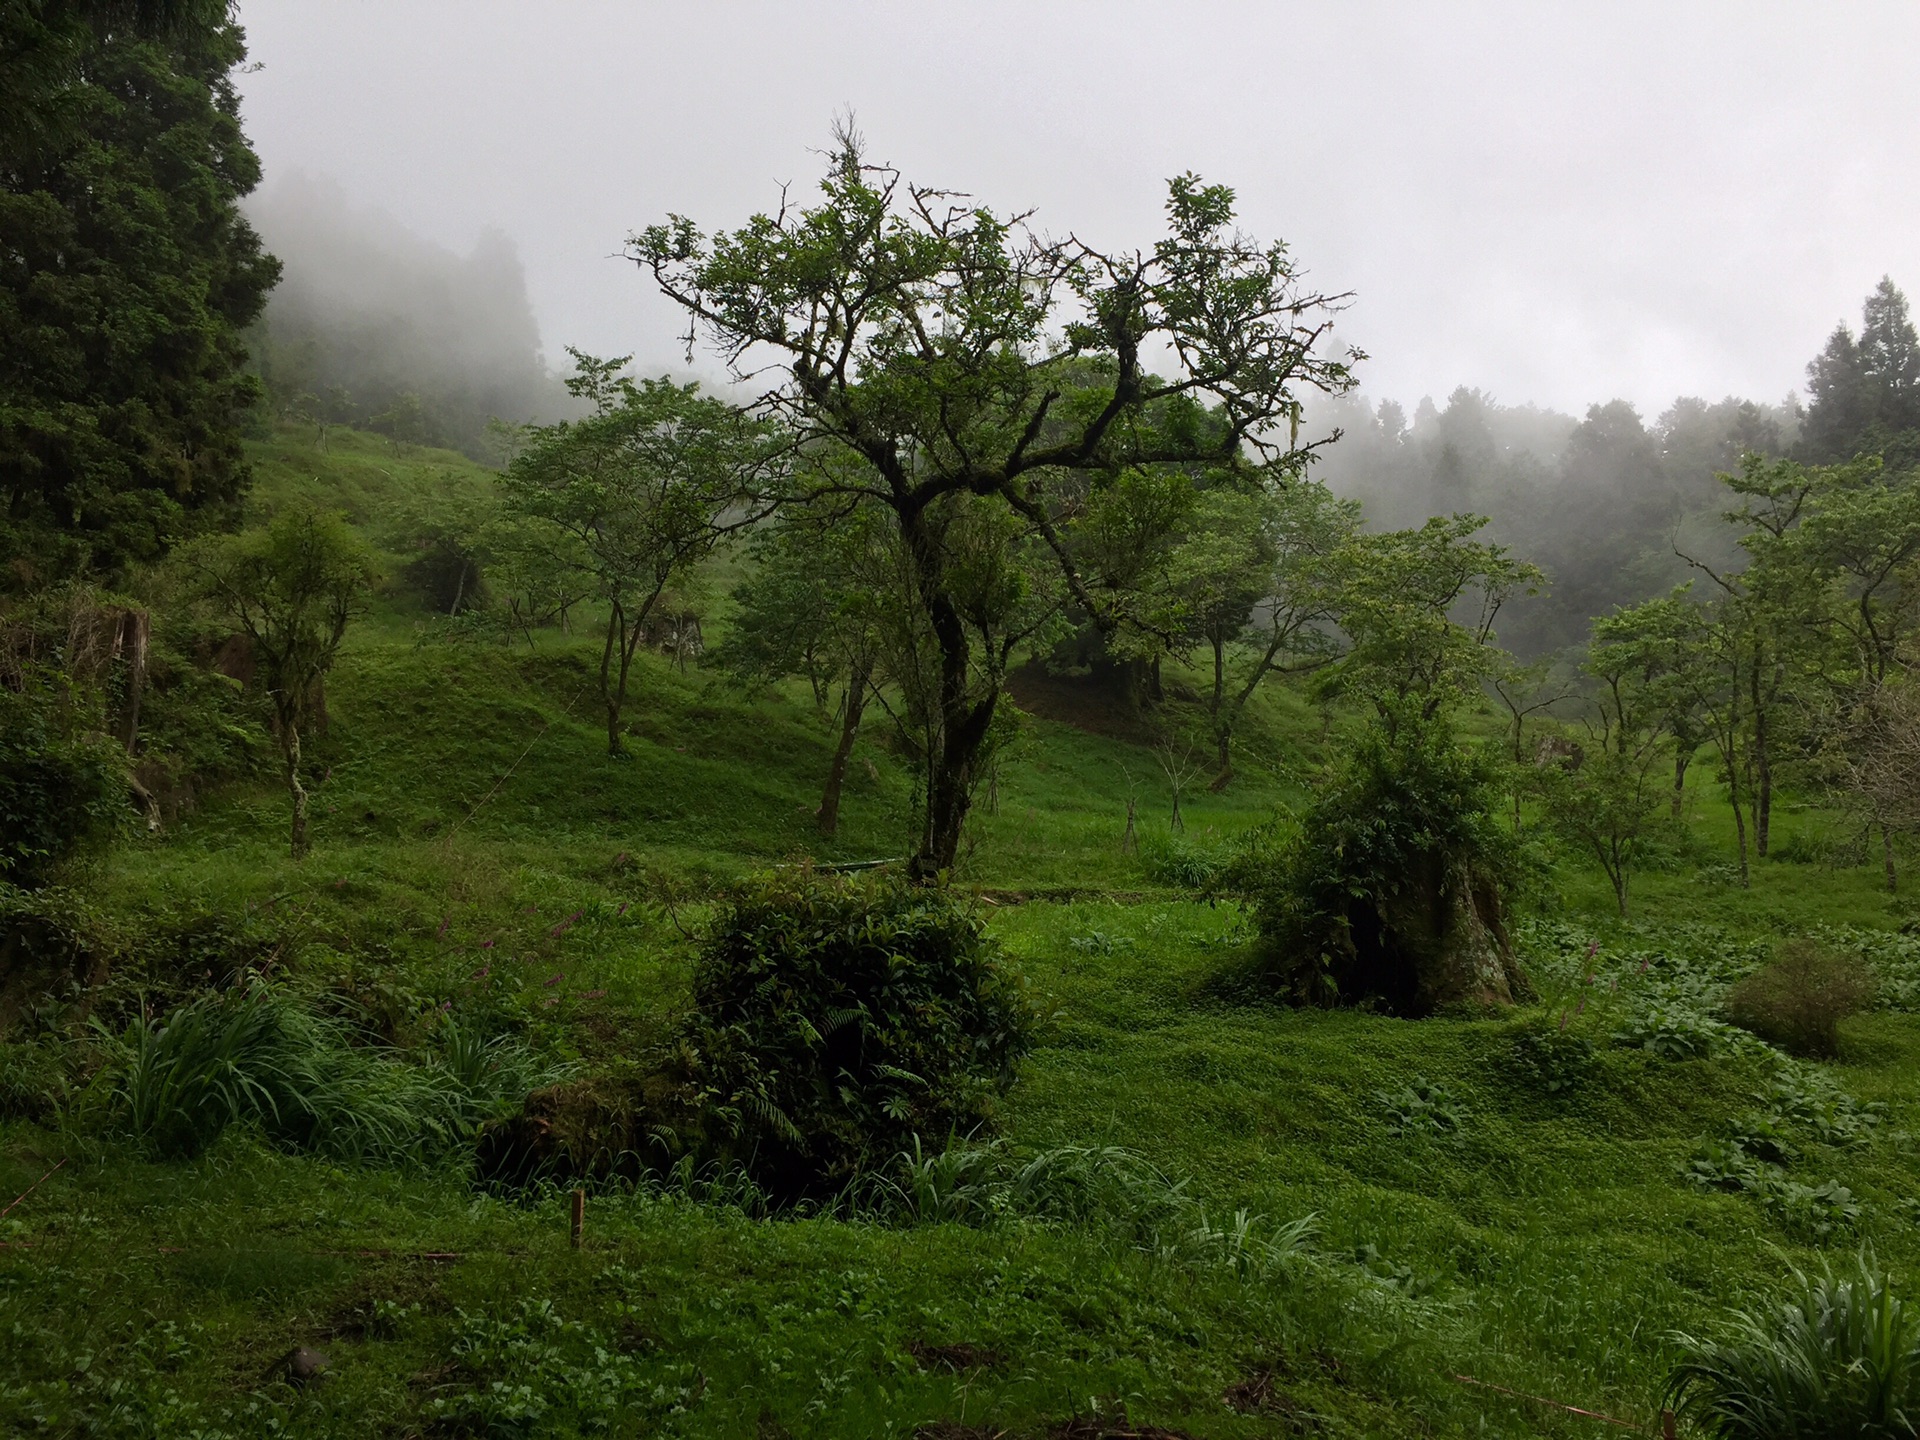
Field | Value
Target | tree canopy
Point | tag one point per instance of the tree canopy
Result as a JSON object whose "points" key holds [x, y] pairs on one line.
{"points": [[127, 273], [965, 360]]}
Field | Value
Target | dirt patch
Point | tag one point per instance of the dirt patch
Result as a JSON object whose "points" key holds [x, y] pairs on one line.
{"points": [[955, 1357], [1085, 703], [1061, 895]]}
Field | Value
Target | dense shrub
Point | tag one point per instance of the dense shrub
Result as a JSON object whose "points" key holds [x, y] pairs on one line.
{"points": [[1395, 885], [1799, 999], [835, 1022], [58, 792], [55, 948], [33, 1080], [1840, 1356]]}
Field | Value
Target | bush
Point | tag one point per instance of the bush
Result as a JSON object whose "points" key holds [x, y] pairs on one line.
{"points": [[1396, 884], [55, 948], [58, 793], [835, 1022], [33, 1080], [1798, 1001], [1839, 1357]]}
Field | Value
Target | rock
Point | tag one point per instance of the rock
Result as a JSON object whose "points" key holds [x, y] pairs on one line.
{"points": [[304, 1366]]}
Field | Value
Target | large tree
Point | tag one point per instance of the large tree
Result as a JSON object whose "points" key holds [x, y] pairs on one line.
{"points": [[960, 354], [1418, 608], [1864, 393], [127, 273]]}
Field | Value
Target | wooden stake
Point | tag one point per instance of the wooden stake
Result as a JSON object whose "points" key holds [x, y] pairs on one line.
{"points": [[1669, 1427], [579, 1216]]}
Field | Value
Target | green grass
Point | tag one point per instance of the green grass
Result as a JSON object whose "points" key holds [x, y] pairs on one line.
{"points": [[476, 848]]}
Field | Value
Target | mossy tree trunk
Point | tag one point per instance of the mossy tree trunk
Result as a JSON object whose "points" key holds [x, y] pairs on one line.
{"points": [[1442, 943]]}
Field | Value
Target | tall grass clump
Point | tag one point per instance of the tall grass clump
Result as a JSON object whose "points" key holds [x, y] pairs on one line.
{"points": [[1106, 1189], [1839, 1357], [256, 1055]]}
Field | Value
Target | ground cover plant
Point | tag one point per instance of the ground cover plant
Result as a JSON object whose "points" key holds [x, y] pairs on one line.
{"points": [[1195, 1205], [586, 1065]]}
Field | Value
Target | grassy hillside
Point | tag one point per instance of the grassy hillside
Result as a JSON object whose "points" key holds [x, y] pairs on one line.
{"points": [[1476, 1211]]}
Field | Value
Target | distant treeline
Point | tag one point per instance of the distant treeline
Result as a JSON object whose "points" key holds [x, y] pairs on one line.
{"points": [[1599, 502], [374, 327]]}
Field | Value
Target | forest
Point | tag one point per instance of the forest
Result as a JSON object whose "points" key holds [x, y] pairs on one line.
{"points": [[1025, 860]]}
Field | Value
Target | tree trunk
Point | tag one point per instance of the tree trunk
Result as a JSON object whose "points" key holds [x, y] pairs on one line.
{"points": [[1439, 941], [1739, 828], [1222, 725], [614, 628], [1682, 757], [622, 640], [954, 749], [1223, 733], [290, 753], [135, 630], [828, 815], [1762, 770], [1886, 855]]}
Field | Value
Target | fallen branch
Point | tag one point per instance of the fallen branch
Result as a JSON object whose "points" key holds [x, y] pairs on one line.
{"points": [[30, 1189], [1543, 1400]]}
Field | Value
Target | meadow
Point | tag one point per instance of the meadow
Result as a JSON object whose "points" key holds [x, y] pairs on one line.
{"points": [[1307, 1221]]}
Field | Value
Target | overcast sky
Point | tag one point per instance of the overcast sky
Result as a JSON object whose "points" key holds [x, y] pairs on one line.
{"points": [[1556, 202]]}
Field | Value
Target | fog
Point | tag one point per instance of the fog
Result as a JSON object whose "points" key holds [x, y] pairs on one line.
{"points": [[1553, 204], [1561, 226], [1602, 502], [367, 312]]}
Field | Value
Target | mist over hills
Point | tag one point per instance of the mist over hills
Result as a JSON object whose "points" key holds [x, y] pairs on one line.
{"points": [[368, 314], [374, 326], [1597, 502]]}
